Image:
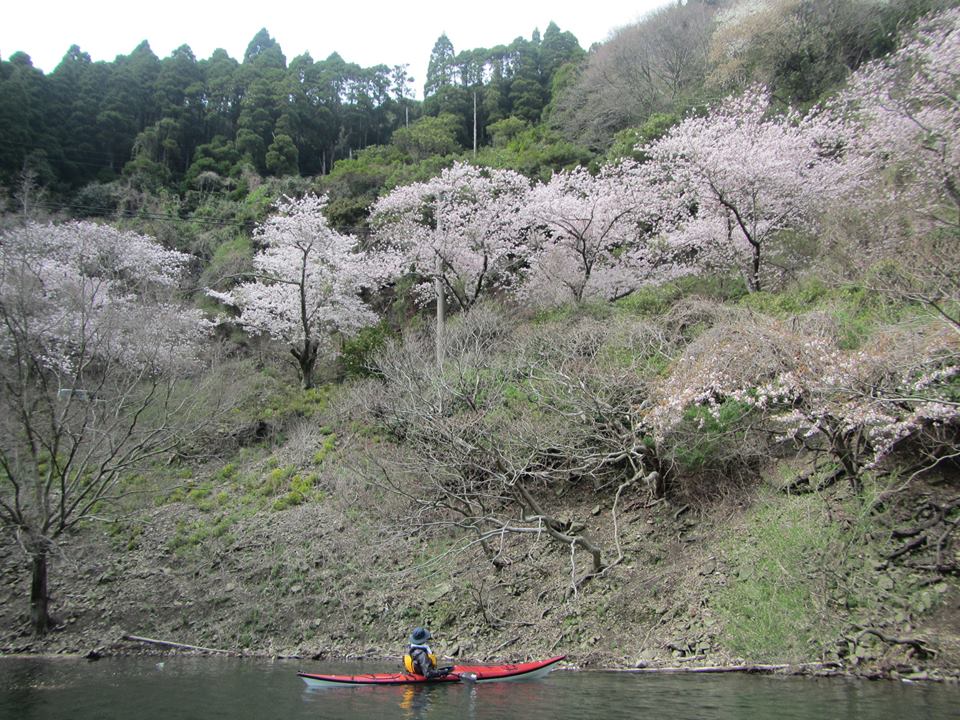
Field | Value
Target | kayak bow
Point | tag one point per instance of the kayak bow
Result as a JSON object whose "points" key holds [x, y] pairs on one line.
{"points": [[471, 673]]}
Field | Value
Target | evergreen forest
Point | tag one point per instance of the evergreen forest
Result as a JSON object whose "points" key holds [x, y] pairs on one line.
{"points": [[647, 353]]}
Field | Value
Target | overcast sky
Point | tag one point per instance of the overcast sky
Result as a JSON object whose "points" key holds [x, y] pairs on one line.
{"points": [[366, 32]]}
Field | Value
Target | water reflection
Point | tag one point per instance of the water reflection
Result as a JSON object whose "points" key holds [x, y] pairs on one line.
{"points": [[193, 688], [415, 701], [26, 684], [390, 701]]}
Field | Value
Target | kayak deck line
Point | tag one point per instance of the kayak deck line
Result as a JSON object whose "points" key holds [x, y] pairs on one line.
{"points": [[471, 673]]}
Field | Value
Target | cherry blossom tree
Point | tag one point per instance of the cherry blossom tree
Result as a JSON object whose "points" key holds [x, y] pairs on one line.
{"points": [[745, 179], [460, 228], [904, 119], [593, 235], [94, 353], [309, 282], [855, 407], [905, 112]]}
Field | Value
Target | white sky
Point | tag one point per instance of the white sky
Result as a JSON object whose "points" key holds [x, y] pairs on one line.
{"points": [[366, 32]]}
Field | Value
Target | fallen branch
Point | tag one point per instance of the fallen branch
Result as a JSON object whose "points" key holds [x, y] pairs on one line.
{"points": [[909, 547], [502, 645], [802, 484], [559, 640], [940, 515], [552, 526], [177, 646], [613, 511], [918, 645], [944, 543], [803, 667]]}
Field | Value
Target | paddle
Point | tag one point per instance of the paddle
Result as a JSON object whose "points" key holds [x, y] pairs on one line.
{"points": [[463, 677]]}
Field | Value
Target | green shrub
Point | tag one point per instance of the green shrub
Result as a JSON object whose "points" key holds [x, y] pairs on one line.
{"points": [[276, 480], [326, 447], [708, 435], [357, 352], [177, 495], [798, 300], [199, 493], [302, 489], [192, 534], [203, 498], [797, 578], [570, 312], [227, 472], [126, 536], [651, 301], [856, 310]]}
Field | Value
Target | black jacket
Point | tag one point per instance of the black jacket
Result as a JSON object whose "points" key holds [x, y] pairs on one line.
{"points": [[422, 664]]}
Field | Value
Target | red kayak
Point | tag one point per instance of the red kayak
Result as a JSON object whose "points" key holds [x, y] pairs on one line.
{"points": [[460, 673]]}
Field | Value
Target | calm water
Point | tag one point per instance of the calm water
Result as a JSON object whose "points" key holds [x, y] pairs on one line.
{"points": [[44, 689]]}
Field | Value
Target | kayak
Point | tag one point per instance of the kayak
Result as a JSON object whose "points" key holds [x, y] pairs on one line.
{"points": [[460, 673]]}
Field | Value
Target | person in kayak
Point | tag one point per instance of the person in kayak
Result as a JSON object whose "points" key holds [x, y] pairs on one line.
{"points": [[420, 659]]}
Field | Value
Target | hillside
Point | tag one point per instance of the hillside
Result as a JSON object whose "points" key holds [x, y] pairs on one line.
{"points": [[297, 548], [678, 386]]}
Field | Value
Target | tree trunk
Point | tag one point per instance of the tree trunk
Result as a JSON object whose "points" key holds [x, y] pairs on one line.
{"points": [[844, 445], [306, 371], [756, 268], [307, 360], [39, 597], [751, 273]]}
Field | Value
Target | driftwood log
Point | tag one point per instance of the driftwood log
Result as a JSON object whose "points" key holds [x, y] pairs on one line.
{"points": [[801, 668], [177, 646]]}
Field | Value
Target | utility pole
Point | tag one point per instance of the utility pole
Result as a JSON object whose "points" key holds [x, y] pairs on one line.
{"points": [[474, 123], [441, 309], [438, 283]]}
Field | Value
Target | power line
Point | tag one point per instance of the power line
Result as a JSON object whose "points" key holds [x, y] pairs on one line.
{"points": [[113, 213], [109, 212], [59, 149]]}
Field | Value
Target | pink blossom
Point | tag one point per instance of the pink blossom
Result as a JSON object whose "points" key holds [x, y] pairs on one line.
{"points": [[309, 282], [740, 177], [462, 226], [82, 293], [595, 235], [905, 113]]}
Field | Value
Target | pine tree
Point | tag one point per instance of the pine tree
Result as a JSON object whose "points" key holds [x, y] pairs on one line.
{"points": [[441, 68]]}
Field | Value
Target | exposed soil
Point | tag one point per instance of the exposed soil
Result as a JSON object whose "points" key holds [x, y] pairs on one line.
{"points": [[322, 581]]}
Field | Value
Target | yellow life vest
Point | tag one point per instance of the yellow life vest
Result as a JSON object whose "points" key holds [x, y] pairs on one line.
{"points": [[408, 662]]}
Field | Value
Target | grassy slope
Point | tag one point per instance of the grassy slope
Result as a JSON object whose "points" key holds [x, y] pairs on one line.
{"points": [[283, 550]]}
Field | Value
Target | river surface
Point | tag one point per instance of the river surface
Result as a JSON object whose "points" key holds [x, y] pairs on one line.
{"points": [[200, 688]]}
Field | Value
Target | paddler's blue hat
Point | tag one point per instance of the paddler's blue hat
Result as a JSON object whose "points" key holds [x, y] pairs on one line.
{"points": [[419, 636]]}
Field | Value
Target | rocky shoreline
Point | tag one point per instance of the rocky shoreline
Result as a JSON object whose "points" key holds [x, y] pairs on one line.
{"points": [[275, 589]]}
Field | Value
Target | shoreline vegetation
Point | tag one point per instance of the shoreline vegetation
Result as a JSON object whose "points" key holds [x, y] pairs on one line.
{"points": [[170, 592], [664, 378]]}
